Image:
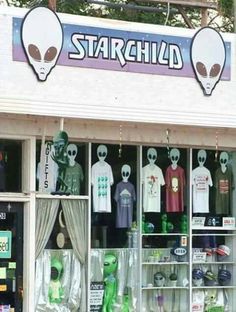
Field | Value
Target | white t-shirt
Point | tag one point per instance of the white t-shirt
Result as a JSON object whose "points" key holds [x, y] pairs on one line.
{"points": [[201, 180], [152, 180], [102, 179]]}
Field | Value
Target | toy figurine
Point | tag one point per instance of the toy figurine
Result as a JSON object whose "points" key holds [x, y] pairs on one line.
{"points": [[110, 292], [184, 224], [56, 293], [166, 226]]}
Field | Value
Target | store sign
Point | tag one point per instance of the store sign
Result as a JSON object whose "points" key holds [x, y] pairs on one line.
{"points": [[96, 296], [111, 49], [42, 39], [208, 58], [5, 244]]}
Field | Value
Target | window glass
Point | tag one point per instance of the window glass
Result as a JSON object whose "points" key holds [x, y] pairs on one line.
{"points": [[75, 172], [114, 180], [10, 165]]}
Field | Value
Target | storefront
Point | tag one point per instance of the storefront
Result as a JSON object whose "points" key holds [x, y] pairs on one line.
{"points": [[137, 213]]}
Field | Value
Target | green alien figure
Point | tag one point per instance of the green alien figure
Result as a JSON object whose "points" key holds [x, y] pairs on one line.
{"points": [[184, 224], [110, 292], [60, 142], [166, 226], [56, 293]]}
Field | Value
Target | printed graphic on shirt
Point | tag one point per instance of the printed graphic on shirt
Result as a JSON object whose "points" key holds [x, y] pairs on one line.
{"points": [[175, 184], [224, 186], [153, 184], [201, 183], [102, 186], [125, 199]]}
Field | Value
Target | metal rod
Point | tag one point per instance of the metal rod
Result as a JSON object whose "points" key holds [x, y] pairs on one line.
{"points": [[131, 6]]}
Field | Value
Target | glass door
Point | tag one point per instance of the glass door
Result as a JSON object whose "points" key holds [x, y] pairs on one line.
{"points": [[11, 257]]}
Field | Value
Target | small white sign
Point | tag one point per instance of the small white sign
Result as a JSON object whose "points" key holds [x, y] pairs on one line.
{"points": [[228, 222], [198, 221], [199, 256]]}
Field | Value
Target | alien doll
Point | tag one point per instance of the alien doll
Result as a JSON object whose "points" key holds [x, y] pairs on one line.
{"points": [[110, 292], [56, 293]]}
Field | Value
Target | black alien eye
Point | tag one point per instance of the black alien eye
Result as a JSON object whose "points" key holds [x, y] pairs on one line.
{"points": [[74, 153], [69, 152]]}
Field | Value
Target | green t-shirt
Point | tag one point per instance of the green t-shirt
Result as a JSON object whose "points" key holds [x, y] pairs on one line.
{"points": [[223, 184], [73, 177]]}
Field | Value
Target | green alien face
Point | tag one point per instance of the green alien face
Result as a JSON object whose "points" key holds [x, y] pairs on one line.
{"points": [[110, 264]]}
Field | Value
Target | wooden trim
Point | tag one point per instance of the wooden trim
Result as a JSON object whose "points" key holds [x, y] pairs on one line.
{"points": [[192, 3]]}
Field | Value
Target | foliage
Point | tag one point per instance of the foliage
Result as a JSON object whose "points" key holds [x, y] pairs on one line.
{"points": [[222, 20]]}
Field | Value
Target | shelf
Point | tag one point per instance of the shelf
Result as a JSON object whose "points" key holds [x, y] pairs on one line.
{"points": [[212, 228], [165, 263], [215, 262], [212, 287], [165, 287], [164, 234], [214, 234]]}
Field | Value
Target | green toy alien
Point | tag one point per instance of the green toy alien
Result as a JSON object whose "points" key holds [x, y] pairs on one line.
{"points": [[184, 224], [56, 293], [166, 226], [110, 292]]}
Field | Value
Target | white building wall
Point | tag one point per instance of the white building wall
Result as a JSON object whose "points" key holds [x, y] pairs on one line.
{"points": [[112, 95]]}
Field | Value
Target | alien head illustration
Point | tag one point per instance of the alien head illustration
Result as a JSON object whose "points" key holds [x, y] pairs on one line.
{"points": [[208, 58], [42, 38]]}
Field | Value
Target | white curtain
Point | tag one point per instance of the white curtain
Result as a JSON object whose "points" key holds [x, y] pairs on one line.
{"points": [[127, 272], [70, 281], [75, 212], [46, 213]]}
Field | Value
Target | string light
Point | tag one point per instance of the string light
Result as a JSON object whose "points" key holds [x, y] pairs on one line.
{"points": [[120, 145], [168, 142], [217, 146]]}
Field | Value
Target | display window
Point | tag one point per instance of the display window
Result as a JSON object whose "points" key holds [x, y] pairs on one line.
{"points": [[213, 227], [161, 222], [165, 230], [114, 199], [76, 168], [10, 165], [114, 232], [61, 253]]}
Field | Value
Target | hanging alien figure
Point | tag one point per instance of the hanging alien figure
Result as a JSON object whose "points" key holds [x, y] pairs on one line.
{"points": [[42, 38], [110, 267], [60, 143], [56, 293]]}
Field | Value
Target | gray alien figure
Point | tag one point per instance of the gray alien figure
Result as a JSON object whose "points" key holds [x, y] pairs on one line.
{"points": [[60, 143]]}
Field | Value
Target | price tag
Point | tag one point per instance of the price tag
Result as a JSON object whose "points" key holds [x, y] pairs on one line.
{"points": [[199, 256], [3, 287], [198, 221], [228, 222]]}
